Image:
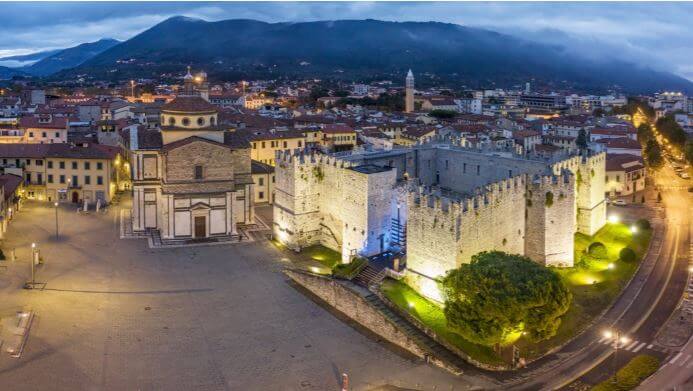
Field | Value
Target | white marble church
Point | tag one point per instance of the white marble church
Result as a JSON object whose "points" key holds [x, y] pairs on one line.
{"points": [[191, 179]]}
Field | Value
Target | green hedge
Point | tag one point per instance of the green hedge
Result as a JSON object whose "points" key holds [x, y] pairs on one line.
{"points": [[597, 250], [351, 269], [631, 375], [627, 255]]}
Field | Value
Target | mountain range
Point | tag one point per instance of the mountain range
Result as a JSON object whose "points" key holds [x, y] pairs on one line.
{"points": [[362, 50], [48, 62]]}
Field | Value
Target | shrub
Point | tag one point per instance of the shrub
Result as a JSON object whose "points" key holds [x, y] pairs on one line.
{"points": [[631, 375], [627, 255], [597, 250], [643, 224]]}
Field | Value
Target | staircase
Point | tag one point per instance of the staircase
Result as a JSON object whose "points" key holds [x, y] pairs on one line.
{"points": [[421, 338], [367, 276], [399, 233]]}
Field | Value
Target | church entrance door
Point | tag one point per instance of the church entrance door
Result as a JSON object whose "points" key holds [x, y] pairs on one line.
{"points": [[200, 226]]}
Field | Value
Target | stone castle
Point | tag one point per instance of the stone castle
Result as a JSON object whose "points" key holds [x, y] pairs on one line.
{"points": [[441, 203]]}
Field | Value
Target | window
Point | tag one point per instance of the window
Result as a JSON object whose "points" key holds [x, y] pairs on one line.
{"points": [[201, 121], [62, 165], [28, 177], [99, 165], [39, 162], [44, 134], [57, 134], [447, 164], [198, 172], [31, 134], [75, 181], [299, 143], [263, 144], [87, 165], [87, 180], [464, 168], [254, 145], [50, 178], [285, 145], [62, 179], [618, 178], [186, 121], [261, 195], [99, 180], [50, 164], [261, 181], [478, 169], [39, 178], [171, 121], [74, 165], [212, 121], [272, 178]]}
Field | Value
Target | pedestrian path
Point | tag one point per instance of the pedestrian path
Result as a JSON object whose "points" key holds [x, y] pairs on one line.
{"points": [[681, 360], [634, 346]]}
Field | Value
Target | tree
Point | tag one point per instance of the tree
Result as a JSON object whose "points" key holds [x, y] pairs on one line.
{"points": [[497, 295], [644, 133], [581, 139], [671, 130], [441, 114], [653, 154]]}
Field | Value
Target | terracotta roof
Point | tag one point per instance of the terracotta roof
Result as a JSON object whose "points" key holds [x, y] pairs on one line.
{"points": [[189, 104], [337, 128], [260, 168], [623, 143], [33, 122], [521, 134], [58, 150], [268, 134], [623, 162]]}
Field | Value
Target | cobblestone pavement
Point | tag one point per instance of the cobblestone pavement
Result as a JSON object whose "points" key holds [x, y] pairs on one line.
{"points": [[117, 315]]}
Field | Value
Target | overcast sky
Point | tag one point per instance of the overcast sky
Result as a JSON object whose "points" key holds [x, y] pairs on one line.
{"points": [[659, 35]]}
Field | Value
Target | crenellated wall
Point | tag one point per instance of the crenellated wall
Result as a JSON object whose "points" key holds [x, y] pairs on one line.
{"points": [[550, 221], [322, 199], [443, 233]]}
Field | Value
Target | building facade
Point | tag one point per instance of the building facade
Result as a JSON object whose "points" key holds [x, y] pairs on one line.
{"points": [[192, 179]]}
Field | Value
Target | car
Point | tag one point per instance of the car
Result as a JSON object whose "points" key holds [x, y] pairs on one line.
{"points": [[619, 202], [685, 175]]}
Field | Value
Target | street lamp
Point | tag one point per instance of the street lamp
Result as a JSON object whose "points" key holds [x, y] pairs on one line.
{"points": [[617, 338], [56, 220]]}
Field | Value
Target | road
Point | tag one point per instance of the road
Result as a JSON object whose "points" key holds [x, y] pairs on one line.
{"points": [[643, 307]]}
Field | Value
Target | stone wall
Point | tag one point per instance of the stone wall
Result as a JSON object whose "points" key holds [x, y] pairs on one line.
{"points": [[358, 309], [320, 199], [443, 233], [216, 160], [550, 223]]}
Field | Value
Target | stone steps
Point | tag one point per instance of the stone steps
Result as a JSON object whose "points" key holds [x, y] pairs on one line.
{"points": [[366, 277]]}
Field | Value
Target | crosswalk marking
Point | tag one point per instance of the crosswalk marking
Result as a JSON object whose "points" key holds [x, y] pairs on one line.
{"points": [[649, 346], [639, 347], [631, 345], [673, 360], [603, 339]]}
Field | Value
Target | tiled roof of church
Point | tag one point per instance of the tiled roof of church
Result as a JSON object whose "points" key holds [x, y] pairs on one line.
{"points": [[189, 104]]}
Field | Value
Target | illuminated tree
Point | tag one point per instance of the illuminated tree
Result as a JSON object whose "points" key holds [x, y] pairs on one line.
{"points": [[498, 296]]}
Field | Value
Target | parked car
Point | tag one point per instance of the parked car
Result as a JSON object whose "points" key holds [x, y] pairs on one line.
{"points": [[619, 202]]}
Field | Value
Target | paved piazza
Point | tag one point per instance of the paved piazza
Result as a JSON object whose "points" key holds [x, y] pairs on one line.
{"points": [[117, 315]]}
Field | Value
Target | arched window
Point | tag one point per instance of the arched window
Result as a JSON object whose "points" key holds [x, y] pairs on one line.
{"points": [[212, 120], [186, 121], [200, 121], [171, 121]]}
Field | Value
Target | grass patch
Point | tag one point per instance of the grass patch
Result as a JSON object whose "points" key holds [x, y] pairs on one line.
{"points": [[431, 315], [593, 282], [351, 269], [328, 257], [631, 375]]}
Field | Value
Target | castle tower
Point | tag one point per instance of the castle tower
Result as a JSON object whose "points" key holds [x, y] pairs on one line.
{"points": [[409, 91], [591, 213], [202, 85]]}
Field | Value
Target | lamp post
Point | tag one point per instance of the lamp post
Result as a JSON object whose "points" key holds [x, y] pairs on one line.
{"points": [[618, 338], [56, 220], [33, 265]]}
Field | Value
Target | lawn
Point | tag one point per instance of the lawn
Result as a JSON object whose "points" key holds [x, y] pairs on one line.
{"points": [[433, 317], [593, 284], [328, 257]]}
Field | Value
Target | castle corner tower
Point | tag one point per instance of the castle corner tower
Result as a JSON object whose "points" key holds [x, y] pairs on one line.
{"points": [[409, 93]]}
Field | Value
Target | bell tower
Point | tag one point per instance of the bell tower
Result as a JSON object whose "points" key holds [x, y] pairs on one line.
{"points": [[409, 93]]}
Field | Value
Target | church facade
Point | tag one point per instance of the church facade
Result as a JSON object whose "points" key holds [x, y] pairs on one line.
{"points": [[191, 179]]}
